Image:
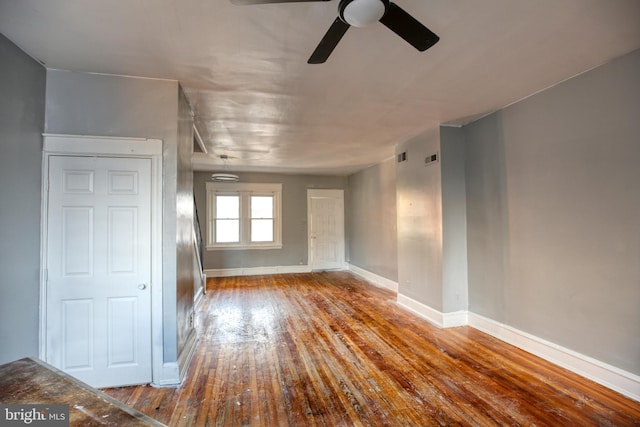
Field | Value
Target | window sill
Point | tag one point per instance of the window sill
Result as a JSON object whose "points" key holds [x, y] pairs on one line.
{"points": [[243, 248]]}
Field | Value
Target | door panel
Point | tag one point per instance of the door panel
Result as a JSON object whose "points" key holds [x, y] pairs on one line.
{"points": [[122, 235], [77, 241], [77, 334], [122, 314], [98, 312]]}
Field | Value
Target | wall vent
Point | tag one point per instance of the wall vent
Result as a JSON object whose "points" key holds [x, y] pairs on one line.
{"points": [[430, 159]]}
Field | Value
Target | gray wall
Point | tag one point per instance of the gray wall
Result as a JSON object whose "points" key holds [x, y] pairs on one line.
{"points": [[105, 105], [487, 218], [553, 207], [294, 220], [22, 85], [371, 218], [419, 204], [454, 220], [432, 229]]}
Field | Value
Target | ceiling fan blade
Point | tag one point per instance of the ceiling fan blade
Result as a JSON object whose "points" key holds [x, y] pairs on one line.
{"points": [[248, 2], [407, 27], [329, 42]]}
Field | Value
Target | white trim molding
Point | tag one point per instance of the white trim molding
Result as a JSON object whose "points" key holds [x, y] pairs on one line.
{"points": [[607, 375], [379, 281], [257, 271], [169, 376], [184, 359], [431, 315], [101, 145], [199, 141], [602, 373]]}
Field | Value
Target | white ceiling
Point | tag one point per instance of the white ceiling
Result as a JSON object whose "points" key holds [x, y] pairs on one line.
{"points": [[255, 98]]}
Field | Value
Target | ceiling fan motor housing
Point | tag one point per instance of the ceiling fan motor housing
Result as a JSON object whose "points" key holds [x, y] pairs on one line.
{"points": [[360, 13]]}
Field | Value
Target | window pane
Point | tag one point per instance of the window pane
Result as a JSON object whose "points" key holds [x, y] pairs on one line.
{"points": [[227, 231], [262, 230], [227, 206], [261, 206]]}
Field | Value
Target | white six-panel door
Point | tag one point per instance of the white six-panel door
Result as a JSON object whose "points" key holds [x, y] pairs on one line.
{"points": [[98, 260], [326, 229]]}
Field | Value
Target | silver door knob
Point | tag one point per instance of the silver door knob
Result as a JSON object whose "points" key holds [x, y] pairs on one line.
{"points": [[142, 286]]}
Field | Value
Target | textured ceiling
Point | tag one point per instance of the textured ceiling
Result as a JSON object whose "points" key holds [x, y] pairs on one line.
{"points": [[256, 100]]}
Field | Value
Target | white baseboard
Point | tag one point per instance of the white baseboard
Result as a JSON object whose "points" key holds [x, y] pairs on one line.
{"points": [[173, 373], [441, 320], [256, 271], [184, 359], [197, 299], [170, 376], [609, 376], [379, 281]]}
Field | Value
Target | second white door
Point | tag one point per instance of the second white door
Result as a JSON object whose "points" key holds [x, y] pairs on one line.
{"points": [[326, 229]]}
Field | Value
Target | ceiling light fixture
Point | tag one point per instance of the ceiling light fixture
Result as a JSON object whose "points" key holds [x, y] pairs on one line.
{"points": [[361, 13], [224, 177]]}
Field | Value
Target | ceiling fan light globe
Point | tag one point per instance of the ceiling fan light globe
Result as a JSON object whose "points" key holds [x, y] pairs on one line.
{"points": [[360, 13]]}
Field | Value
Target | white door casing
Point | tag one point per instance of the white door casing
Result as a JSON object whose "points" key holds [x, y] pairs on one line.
{"points": [[325, 210], [119, 339], [99, 269]]}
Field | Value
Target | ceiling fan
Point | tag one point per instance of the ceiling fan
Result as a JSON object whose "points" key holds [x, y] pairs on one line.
{"points": [[360, 13]]}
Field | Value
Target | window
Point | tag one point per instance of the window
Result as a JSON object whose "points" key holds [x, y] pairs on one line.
{"points": [[243, 216]]}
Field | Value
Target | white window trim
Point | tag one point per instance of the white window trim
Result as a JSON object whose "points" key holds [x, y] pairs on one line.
{"points": [[245, 190]]}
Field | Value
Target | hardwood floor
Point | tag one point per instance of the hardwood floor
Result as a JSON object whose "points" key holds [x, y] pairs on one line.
{"points": [[329, 349]]}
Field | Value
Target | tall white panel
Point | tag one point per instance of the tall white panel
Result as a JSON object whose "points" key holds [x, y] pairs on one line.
{"points": [[122, 239], [122, 321], [77, 334], [77, 241]]}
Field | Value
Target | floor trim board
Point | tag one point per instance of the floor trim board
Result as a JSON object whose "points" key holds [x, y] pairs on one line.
{"points": [[441, 320], [379, 281], [187, 353], [256, 271], [170, 375], [609, 376]]}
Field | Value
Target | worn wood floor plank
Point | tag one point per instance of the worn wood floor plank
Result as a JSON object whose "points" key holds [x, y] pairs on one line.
{"points": [[328, 349]]}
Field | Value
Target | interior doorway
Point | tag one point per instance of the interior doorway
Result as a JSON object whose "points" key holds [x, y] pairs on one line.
{"points": [[325, 209], [101, 266]]}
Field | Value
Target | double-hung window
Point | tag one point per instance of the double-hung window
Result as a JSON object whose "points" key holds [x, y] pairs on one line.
{"points": [[244, 216]]}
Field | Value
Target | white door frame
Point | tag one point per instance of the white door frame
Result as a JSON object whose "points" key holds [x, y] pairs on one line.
{"points": [[334, 193], [77, 145]]}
